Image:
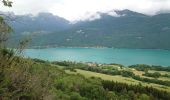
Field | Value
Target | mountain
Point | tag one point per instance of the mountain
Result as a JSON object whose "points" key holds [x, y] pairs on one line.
{"points": [[41, 22], [128, 29]]}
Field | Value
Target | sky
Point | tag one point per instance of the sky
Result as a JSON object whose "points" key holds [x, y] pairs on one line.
{"points": [[83, 9]]}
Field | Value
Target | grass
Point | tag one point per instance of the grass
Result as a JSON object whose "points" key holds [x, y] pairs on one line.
{"points": [[138, 72], [161, 72], [164, 78], [117, 78], [152, 71]]}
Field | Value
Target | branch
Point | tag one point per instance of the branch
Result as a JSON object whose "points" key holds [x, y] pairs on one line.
{"points": [[7, 3]]}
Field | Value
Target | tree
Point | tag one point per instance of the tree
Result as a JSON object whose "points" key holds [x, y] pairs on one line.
{"points": [[4, 27], [4, 30], [7, 3], [144, 97]]}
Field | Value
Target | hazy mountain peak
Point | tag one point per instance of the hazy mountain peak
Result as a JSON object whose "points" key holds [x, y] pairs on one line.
{"points": [[113, 13], [128, 13], [116, 28]]}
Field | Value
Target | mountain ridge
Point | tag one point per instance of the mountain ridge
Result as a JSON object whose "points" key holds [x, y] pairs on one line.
{"points": [[129, 30]]}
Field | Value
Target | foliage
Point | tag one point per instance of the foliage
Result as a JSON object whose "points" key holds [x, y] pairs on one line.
{"points": [[37, 79], [143, 67], [166, 75], [34, 79], [125, 73], [156, 81], [4, 30], [155, 74], [7, 3], [140, 67], [134, 90], [108, 31]]}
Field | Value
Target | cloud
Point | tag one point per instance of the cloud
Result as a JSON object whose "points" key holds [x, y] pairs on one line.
{"points": [[83, 9], [113, 13]]}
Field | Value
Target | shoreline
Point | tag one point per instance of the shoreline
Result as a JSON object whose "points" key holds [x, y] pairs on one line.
{"points": [[97, 47]]}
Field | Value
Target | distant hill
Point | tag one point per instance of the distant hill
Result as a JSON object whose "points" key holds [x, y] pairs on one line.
{"points": [[127, 29], [42, 22]]}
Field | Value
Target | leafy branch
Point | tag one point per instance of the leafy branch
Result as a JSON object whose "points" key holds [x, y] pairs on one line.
{"points": [[7, 3]]}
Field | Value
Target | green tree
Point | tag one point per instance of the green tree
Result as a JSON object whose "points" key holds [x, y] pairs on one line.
{"points": [[4, 30], [7, 3], [144, 97], [4, 27]]}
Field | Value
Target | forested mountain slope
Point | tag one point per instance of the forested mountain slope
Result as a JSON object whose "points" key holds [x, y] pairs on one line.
{"points": [[127, 29]]}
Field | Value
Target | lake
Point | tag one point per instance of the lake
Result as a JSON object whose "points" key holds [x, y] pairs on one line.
{"points": [[102, 55]]}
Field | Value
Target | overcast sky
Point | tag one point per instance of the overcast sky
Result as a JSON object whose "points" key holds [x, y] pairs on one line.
{"points": [[82, 9]]}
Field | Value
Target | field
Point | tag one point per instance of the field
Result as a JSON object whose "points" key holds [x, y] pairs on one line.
{"points": [[102, 72], [118, 78]]}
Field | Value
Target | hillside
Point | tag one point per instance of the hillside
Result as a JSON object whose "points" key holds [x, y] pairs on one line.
{"points": [[126, 30], [34, 79]]}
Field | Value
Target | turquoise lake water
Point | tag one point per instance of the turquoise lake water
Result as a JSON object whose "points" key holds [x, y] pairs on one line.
{"points": [[102, 55]]}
